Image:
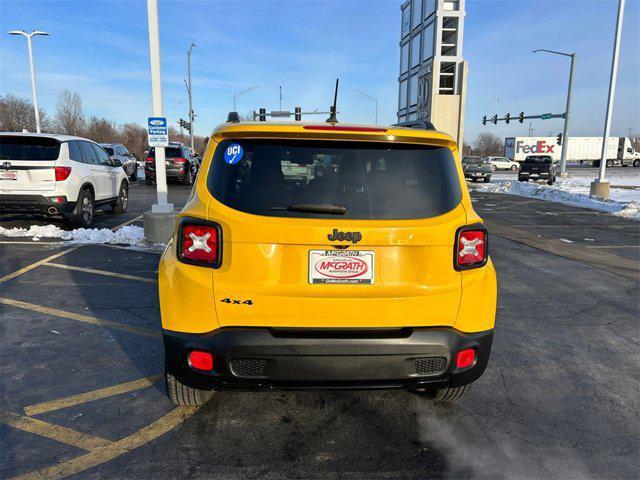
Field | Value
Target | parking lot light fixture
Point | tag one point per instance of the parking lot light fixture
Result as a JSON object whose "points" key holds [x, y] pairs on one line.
{"points": [[374, 100], [565, 131], [33, 75], [237, 94]]}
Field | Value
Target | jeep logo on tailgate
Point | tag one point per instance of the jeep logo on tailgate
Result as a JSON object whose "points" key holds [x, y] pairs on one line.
{"points": [[354, 237]]}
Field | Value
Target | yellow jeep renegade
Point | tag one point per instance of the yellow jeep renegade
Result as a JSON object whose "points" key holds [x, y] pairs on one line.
{"points": [[327, 256]]}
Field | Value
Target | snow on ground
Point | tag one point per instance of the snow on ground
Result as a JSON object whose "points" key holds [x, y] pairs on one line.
{"points": [[127, 235], [573, 190]]}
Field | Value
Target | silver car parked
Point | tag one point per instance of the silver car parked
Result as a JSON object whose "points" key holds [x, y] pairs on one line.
{"points": [[117, 151]]}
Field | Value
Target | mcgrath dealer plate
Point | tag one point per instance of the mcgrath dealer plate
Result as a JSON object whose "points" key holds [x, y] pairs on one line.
{"points": [[341, 266]]}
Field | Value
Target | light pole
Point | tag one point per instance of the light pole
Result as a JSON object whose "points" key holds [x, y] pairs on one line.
{"points": [[565, 138], [156, 93], [191, 115], [496, 109], [374, 100], [237, 94], [33, 75], [600, 188]]}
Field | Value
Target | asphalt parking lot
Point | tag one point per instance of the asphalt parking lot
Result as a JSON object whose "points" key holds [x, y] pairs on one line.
{"points": [[81, 358]]}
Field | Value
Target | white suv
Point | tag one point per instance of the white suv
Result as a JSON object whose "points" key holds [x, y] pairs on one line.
{"points": [[59, 175], [502, 163]]}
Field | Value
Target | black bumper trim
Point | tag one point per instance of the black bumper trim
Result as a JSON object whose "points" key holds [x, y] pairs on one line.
{"points": [[326, 359], [33, 204]]}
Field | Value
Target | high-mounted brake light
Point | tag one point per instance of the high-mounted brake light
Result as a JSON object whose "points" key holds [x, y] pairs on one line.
{"points": [[466, 358], [200, 243], [345, 128], [62, 173], [150, 160], [471, 248], [201, 360]]}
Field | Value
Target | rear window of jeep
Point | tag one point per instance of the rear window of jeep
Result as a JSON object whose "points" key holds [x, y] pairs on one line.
{"points": [[324, 179]]}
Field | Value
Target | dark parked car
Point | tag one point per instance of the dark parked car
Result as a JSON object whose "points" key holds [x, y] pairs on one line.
{"points": [[476, 168], [538, 167], [180, 165]]}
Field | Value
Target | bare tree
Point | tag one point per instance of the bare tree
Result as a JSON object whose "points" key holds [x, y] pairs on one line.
{"points": [[488, 143], [247, 117], [69, 117], [101, 130], [635, 142], [134, 137], [16, 114]]}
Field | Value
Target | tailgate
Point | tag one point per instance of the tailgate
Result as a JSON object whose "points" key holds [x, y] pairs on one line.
{"points": [[27, 163]]}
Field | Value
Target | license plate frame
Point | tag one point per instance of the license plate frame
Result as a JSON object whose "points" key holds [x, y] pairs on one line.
{"points": [[4, 175], [341, 267]]}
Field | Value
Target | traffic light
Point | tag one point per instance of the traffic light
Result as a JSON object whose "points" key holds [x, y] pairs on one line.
{"points": [[184, 124], [495, 119], [521, 117], [559, 139], [507, 117], [298, 114], [484, 120]]}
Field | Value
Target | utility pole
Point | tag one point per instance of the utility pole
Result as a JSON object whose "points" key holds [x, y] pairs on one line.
{"points": [[565, 131], [280, 98], [374, 100], [600, 187], [156, 90], [531, 129], [237, 94], [497, 100], [191, 115], [33, 75], [180, 118]]}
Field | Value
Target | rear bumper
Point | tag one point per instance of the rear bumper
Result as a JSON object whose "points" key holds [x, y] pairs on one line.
{"points": [[34, 204], [533, 175], [477, 174], [173, 174], [261, 357]]}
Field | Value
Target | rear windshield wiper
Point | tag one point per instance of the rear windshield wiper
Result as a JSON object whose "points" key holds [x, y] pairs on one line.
{"points": [[314, 208]]}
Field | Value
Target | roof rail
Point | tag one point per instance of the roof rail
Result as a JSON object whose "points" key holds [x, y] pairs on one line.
{"points": [[418, 124]]}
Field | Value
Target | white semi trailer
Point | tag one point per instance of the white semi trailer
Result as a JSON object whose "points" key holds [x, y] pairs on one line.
{"points": [[580, 149]]}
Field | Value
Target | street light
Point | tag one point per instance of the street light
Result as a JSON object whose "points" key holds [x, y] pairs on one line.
{"points": [[565, 141], [191, 115], [373, 99], [33, 75], [237, 94]]}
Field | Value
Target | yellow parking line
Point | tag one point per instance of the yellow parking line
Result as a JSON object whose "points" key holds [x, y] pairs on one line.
{"points": [[115, 449], [79, 317], [37, 264], [54, 432], [100, 272], [39, 408]]}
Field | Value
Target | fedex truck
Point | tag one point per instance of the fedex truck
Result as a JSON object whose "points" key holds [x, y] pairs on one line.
{"points": [[580, 149]]}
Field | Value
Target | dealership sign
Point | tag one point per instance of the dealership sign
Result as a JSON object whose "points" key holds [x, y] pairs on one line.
{"points": [[158, 132]]}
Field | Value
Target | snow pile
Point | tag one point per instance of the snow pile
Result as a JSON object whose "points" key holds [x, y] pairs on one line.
{"points": [[563, 193], [127, 235]]}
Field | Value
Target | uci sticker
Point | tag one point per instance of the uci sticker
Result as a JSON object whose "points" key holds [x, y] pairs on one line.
{"points": [[233, 153]]}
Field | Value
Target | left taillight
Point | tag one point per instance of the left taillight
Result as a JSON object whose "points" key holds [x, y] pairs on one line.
{"points": [[471, 247], [200, 243], [62, 173]]}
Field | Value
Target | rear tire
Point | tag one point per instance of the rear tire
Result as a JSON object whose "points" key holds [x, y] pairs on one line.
{"points": [[82, 216], [148, 181], [493, 168], [551, 181], [514, 168], [180, 394], [609, 163], [134, 176], [446, 395], [636, 162], [121, 204], [188, 177], [487, 180]]}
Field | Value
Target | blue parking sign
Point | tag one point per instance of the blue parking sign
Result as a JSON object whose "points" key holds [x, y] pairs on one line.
{"points": [[158, 132]]}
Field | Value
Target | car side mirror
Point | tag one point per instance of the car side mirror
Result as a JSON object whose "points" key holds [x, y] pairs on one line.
{"points": [[630, 150], [116, 163]]}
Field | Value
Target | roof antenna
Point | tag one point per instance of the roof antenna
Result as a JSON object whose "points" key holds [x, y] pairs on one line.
{"points": [[332, 118]]}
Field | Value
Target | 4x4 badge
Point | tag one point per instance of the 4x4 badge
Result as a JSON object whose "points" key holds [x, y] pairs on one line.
{"points": [[354, 237]]}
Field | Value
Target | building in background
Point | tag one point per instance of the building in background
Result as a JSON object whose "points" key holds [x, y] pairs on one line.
{"points": [[432, 81]]}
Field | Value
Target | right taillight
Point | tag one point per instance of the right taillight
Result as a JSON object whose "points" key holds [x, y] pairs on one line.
{"points": [[62, 173], [471, 248], [150, 160], [200, 242]]}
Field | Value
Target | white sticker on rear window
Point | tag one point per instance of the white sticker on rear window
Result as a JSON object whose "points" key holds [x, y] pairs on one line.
{"points": [[233, 153]]}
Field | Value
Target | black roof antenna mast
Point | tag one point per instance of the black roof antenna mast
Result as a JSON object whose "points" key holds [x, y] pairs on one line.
{"points": [[332, 118]]}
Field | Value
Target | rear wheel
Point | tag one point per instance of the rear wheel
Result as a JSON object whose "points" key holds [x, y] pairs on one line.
{"points": [[180, 394], [120, 205], [188, 177], [83, 214], [551, 180], [609, 163], [493, 167], [445, 395], [134, 175], [514, 168], [487, 179], [636, 162], [148, 181]]}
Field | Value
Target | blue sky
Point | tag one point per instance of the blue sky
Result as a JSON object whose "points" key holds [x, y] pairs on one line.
{"points": [[100, 50]]}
